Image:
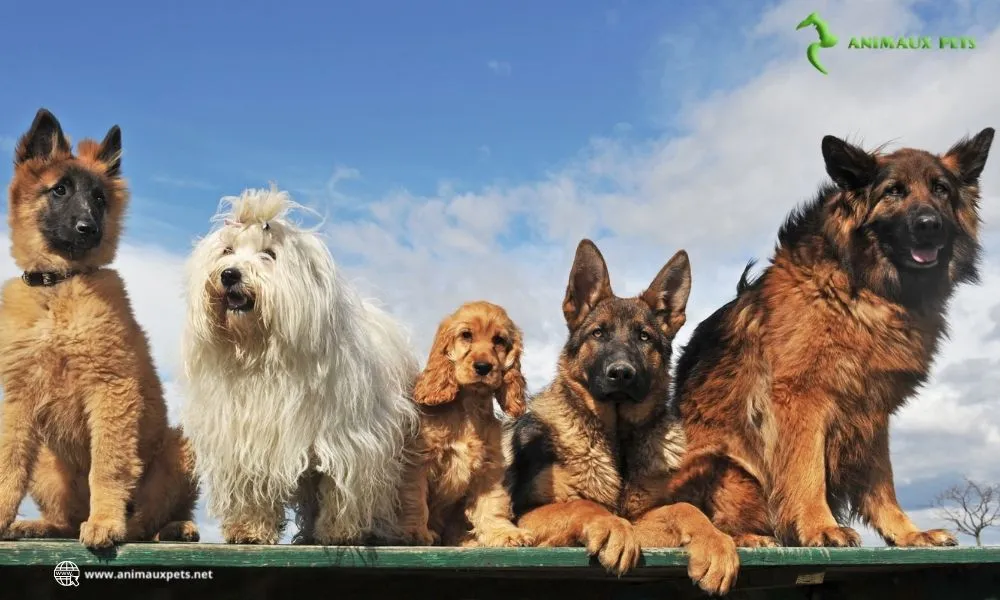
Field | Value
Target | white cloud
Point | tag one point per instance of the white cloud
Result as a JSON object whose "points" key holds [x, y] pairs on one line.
{"points": [[720, 189], [499, 67]]}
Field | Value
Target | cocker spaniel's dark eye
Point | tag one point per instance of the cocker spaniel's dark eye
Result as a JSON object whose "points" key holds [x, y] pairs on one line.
{"points": [[499, 340], [466, 335]]}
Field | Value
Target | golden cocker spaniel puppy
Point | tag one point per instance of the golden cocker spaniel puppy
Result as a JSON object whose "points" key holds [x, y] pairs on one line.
{"points": [[454, 493]]}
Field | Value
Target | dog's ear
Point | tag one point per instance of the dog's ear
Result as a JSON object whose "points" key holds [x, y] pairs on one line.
{"points": [[511, 394], [967, 158], [589, 283], [110, 151], [668, 294], [850, 167], [44, 139], [437, 383]]}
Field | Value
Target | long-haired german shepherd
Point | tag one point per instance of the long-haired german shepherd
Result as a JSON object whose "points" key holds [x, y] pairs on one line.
{"points": [[787, 390], [84, 423], [591, 460]]}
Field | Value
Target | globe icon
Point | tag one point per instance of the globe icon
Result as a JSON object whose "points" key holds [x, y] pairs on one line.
{"points": [[67, 574]]}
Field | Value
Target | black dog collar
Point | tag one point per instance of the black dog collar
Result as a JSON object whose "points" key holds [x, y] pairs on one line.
{"points": [[46, 278]]}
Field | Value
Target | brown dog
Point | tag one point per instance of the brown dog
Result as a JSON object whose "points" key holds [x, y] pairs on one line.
{"points": [[786, 391], [592, 458], [454, 492], [84, 421]]}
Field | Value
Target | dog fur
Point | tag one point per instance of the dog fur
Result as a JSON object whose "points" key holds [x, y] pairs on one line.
{"points": [[84, 424], [298, 390], [592, 457], [454, 492], [786, 391]]}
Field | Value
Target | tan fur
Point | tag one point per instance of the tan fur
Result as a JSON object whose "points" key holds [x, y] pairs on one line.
{"points": [[84, 424], [454, 491]]}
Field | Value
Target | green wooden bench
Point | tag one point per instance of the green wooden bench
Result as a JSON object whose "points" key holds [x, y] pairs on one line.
{"points": [[28, 568]]}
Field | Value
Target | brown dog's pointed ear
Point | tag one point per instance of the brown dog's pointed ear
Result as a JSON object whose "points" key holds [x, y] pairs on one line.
{"points": [[589, 283], [110, 152], [43, 139], [668, 294], [437, 383], [850, 167], [968, 156], [511, 394]]}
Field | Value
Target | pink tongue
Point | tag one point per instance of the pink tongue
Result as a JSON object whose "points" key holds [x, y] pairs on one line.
{"points": [[924, 255]]}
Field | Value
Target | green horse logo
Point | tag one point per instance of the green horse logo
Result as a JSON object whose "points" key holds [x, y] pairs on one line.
{"points": [[826, 39]]}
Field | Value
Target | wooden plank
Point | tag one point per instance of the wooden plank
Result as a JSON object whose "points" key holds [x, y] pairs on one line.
{"points": [[38, 552]]}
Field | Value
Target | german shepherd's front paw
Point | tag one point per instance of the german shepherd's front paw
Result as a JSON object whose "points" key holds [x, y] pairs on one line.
{"points": [[933, 537], [102, 533], [837, 537], [508, 537], [752, 540], [713, 562], [613, 541]]}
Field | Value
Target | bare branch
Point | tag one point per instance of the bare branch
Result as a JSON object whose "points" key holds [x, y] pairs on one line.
{"points": [[970, 507]]}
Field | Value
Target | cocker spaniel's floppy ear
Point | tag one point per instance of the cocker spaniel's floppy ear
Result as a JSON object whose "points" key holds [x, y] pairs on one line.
{"points": [[437, 383], [510, 394]]}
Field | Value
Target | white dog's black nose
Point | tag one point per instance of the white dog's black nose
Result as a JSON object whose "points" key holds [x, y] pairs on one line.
{"points": [[230, 277], [482, 368]]}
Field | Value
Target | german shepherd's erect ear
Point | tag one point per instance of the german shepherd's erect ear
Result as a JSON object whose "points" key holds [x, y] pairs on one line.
{"points": [[589, 283], [967, 158], [44, 139], [668, 294], [850, 167]]}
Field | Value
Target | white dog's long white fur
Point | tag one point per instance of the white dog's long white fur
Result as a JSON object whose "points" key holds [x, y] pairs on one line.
{"points": [[316, 377]]}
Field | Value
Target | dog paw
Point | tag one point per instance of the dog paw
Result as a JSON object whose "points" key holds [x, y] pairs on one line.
{"points": [[512, 537], [102, 533], [933, 537], [178, 531], [713, 562], [421, 537], [613, 541], [34, 529], [836, 537], [752, 540]]}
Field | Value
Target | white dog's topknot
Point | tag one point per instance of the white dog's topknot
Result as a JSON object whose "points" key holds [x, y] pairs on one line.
{"points": [[260, 207]]}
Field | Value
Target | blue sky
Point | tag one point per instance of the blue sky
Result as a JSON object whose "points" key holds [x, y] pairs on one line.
{"points": [[461, 149]]}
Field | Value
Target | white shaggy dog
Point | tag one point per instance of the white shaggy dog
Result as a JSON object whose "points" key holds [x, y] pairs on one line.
{"points": [[297, 389]]}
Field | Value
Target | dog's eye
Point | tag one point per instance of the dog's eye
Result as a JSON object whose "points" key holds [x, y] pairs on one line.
{"points": [[895, 190], [270, 253], [466, 335], [227, 250], [59, 190], [99, 197], [499, 340], [940, 189], [597, 333], [644, 336]]}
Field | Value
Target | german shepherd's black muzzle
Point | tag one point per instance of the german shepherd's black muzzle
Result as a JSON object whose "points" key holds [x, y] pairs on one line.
{"points": [[619, 375]]}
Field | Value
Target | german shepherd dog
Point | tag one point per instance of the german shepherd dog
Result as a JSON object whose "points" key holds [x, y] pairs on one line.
{"points": [[84, 423], [786, 391], [591, 459]]}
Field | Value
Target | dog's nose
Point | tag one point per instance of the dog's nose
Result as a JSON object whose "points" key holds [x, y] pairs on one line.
{"points": [[620, 373], [87, 227], [928, 223], [482, 368], [230, 277]]}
